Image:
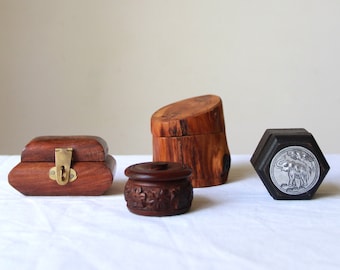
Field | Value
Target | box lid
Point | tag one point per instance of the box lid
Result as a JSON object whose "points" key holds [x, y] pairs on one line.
{"points": [[269, 137], [158, 171], [84, 148], [197, 115]]}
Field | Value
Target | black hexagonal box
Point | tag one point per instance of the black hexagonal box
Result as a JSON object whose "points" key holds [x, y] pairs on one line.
{"points": [[289, 163]]}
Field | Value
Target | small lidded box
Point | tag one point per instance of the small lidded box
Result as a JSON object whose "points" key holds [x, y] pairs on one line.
{"points": [[192, 132], [289, 163], [158, 188], [64, 165]]}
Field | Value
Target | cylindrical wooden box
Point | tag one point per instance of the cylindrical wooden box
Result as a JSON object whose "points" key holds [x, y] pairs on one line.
{"points": [[158, 188], [192, 132]]}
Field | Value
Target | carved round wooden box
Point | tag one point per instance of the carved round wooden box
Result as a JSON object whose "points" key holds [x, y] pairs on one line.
{"points": [[158, 188]]}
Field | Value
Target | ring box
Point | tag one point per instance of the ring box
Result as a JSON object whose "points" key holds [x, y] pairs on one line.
{"points": [[192, 132], [64, 165], [289, 163]]}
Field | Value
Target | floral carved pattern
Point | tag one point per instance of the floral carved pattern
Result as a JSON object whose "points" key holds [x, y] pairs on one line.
{"points": [[163, 198]]}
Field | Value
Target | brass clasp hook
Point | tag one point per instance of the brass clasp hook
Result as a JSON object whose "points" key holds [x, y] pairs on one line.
{"points": [[62, 172]]}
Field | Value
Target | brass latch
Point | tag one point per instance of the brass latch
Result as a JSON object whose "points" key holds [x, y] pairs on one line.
{"points": [[62, 172]]}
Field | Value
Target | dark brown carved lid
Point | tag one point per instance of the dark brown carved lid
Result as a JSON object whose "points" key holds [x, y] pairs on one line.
{"points": [[192, 116], [158, 171], [85, 148]]}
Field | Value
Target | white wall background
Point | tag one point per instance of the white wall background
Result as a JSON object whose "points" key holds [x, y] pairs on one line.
{"points": [[103, 67]]}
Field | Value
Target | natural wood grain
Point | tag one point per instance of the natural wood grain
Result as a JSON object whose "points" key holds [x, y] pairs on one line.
{"points": [[90, 159], [32, 178], [207, 155], [192, 132], [199, 115], [85, 148]]}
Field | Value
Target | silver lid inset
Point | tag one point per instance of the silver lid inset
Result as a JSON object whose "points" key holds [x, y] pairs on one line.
{"points": [[294, 170]]}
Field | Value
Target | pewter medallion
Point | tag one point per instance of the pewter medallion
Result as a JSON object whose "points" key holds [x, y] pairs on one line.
{"points": [[294, 170]]}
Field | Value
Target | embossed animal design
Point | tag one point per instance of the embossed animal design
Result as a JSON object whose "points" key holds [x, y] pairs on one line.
{"points": [[298, 173]]}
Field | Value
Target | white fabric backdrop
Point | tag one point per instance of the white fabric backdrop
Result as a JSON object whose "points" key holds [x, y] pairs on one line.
{"points": [[232, 226]]}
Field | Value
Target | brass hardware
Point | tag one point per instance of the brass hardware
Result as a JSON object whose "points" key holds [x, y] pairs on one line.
{"points": [[62, 172]]}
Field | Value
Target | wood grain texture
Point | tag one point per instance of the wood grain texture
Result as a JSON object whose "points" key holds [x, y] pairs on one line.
{"points": [[198, 115], [85, 148], [32, 178], [192, 132], [207, 155]]}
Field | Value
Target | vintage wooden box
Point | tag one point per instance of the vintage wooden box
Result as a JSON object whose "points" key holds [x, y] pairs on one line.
{"points": [[192, 132], [64, 165]]}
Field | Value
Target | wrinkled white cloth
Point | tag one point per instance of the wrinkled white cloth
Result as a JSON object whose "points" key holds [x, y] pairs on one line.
{"points": [[232, 226]]}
